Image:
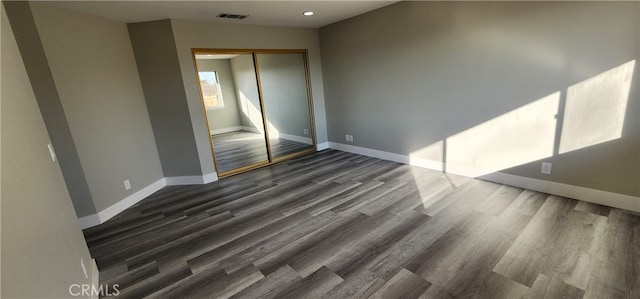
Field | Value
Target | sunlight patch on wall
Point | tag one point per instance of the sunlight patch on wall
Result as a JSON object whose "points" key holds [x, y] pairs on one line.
{"points": [[251, 112], [273, 131], [518, 137], [255, 116], [595, 109], [431, 156]]}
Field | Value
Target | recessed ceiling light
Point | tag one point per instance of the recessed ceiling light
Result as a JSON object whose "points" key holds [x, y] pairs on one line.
{"points": [[308, 13]]}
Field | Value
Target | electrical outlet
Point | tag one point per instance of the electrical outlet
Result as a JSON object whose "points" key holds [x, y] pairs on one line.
{"points": [[546, 168], [306, 131], [348, 138], [127, 185]]}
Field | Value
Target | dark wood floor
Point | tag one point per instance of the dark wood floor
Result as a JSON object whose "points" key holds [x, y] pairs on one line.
{"points": [[242, 148], [338, 225]]}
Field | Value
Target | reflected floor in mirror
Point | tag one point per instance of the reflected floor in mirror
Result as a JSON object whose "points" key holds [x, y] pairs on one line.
{"points": [[241, 148], [338, 225]]}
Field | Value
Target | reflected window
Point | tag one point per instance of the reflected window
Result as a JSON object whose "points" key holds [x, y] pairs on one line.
{"points": [[211, 93]]}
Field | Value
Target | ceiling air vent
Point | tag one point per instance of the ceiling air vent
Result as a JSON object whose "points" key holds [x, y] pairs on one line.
{"points": [[231, 16]]}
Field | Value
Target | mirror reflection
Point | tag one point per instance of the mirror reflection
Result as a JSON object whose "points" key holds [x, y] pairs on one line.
{"points": [[286, 102], [232, 104], [257, 105]]}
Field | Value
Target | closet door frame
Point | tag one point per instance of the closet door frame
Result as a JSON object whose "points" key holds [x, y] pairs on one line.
{"points": [[254, 53]]}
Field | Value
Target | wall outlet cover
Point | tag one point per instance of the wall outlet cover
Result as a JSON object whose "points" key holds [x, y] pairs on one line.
{"points": [[546, 168]]}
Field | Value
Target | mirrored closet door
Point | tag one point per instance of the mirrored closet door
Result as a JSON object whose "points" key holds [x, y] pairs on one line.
{"points": [[257, 106], [232, 105], [286, 102]]}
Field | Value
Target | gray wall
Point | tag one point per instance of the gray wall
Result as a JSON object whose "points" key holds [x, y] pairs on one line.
{"points": [[195, 34], [228, 116], [41, 241], [102, 98], [443, 79], [48, 98], [284, 89], [244, 75], [159, 69]]}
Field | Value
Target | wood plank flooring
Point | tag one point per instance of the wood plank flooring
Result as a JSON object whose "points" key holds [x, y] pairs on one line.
{"points": [[339, 225], [241, 148]]}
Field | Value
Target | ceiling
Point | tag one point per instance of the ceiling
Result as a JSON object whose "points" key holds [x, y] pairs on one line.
{"points": [[216, 56], [265, 12]]}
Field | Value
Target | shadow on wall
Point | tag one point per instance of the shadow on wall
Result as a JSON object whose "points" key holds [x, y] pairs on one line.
{"points": [[588, 113]]}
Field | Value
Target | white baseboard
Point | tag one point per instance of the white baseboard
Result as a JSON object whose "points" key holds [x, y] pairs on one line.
{"points": [[192, 179], [225, 130], [209, 178], [251, 129], [89, 221], [426, 163], [184, 180], [322, 146], [370, 152], [305, 140], [606, 198], [108, 213], [611, 199]]}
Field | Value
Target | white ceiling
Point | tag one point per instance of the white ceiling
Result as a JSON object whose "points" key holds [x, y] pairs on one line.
{"points": [[216, 56], [265, 12]]}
